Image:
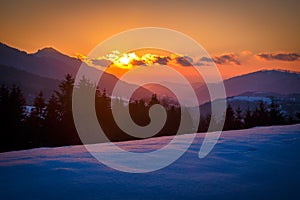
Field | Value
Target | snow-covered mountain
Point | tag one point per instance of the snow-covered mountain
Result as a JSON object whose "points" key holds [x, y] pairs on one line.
{"points": [[258, 163], [266, 81]]}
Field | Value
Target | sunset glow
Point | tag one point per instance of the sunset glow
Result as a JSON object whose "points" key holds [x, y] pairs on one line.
{"points": [[131, 59], [229, 64], [220, 27]]}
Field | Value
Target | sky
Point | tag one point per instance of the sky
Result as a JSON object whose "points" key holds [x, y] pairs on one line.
{"points": [[252, 32]]}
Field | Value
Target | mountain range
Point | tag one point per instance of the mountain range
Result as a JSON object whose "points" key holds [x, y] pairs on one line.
{"points": [[44, 70], [271, 81]]}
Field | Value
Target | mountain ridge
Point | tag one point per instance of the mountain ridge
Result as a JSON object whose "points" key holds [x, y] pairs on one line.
{"points": [[51, 63]]}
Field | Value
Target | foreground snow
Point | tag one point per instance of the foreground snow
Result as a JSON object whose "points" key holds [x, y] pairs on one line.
{"points": [[259, 163]]}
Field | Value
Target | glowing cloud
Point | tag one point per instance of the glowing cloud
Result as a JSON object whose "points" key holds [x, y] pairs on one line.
{"points": [[132, 59]]}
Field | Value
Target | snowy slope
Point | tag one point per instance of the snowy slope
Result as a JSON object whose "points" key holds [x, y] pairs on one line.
{"points": [[259, 163]]}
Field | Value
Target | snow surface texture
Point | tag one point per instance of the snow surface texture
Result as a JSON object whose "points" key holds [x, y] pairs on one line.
{"points": [[258, 163]]}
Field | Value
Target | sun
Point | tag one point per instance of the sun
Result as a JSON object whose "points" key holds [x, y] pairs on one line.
{"points": [[129, 60], [125, 60]]}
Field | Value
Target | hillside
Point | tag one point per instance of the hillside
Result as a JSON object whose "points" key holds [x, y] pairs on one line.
{"points": [[46, 62], [276, 81], [31, 84], [266, 81], [49, 64]]}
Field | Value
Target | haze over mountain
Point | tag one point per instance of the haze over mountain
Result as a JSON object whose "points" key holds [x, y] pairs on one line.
{"points": [[267, 81], [30, 84]]}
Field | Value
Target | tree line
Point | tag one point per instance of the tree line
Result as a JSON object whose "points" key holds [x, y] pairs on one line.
{"points": [[50, 122]]}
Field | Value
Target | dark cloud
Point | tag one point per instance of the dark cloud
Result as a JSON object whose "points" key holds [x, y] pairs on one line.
{"points": [[226, 59], [101, 62], [137, 62], [188, 59], [203, 61], [184, 61], [206, 59], [279, 56], [162, 60]]}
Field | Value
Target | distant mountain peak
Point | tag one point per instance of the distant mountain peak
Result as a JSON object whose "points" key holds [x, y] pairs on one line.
{"points": [[47, 51], [268, 73], [4, 48]]}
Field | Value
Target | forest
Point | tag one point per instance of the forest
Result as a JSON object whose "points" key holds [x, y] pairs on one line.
{"points": [[50, 122]]}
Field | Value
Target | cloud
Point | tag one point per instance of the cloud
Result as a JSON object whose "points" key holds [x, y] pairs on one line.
{"points": [[101, 62], [226, 59], [184, 61], [205, 59], [188, 59], [162, 60], [138, 62], [279, 56]]}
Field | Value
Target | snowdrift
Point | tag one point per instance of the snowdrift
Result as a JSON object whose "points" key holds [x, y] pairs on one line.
{"points": [[258, 163]]}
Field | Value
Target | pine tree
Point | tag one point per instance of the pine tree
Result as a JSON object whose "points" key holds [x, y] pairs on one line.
{"points": [[4, 106], [52, 122], [230, 119], [239, 123], [173, 120], [4, 122], [186, 125], [16, 106], [249, 119], [64, 95], [204, 123], [276, 118], [153, 100], [39, 105], [261, 115], [139, 112], [52, 114], [298, 116], [103, 110], [213, 123], [103, 105], [36, 122]]}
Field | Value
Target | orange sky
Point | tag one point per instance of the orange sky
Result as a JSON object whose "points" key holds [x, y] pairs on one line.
{"points": [[229, 64], [219, 26]]}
